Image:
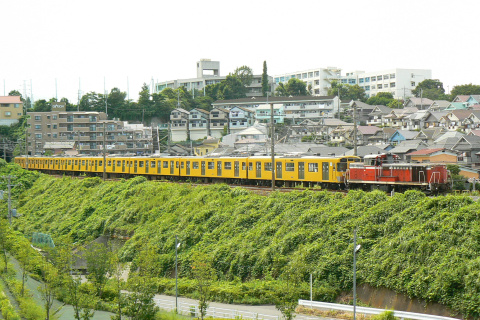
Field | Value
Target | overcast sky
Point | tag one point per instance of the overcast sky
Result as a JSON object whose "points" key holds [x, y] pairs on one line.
{"points": [[88, 40]]}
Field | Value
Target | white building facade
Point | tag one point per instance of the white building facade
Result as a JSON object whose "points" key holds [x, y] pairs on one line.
{"points": [[319, 79]]}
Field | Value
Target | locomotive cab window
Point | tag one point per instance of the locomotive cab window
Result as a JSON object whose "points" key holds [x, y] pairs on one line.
{"points": [[290, 166]]}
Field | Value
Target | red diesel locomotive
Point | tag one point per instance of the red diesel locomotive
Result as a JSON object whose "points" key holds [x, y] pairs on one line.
{"points": [[386, 173]]}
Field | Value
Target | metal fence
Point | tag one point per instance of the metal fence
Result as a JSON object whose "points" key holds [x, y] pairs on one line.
{"points": [[370, 311]]}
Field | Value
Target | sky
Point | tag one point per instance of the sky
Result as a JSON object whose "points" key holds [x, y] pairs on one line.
{"points": [[54, 48]]}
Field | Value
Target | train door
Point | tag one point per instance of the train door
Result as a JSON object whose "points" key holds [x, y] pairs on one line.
{"points": [[188, 168], [96, 165], [278, 170], [301, 170], [203, 168], [135, 166], [123, 166], [325, 171], [146, 166], [113, 165], [172, 167], [219, 168], [236, 166], [258, 168]]}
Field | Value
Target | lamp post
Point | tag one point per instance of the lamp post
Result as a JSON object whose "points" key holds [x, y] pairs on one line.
{"points": [[355, 249], [177, 244]]}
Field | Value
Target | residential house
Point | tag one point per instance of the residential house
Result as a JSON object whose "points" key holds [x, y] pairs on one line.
{"points": [[415, 121], [468, 148], [432, 118], [419, 103], [376, 116], [263, 113], [454, 119], [398, 117], [461, 98], [363, 151], [218, 122], [474, 99], [457, 106], [328, 151], [430, 135], [179, 128], [208, 145], [362, 110], [437, 155], [402, 135], [11, 109], [256, 134], [363, 134], [240, 118], [439, 105], [381, 137], [471, 122], [198, 124], [405, 147]]}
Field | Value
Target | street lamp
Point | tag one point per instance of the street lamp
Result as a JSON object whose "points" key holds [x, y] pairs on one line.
{"points": [[356, 248], [177, 244]]}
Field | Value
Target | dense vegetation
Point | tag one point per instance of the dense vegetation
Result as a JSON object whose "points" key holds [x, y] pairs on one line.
{"points": [[424, 247]]}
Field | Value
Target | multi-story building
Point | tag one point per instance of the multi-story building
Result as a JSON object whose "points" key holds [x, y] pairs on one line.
{"points": [[179, 129], [11, 109], [399, 82], [208, 72], [199, 124], [318, 79], [218, 122], [240, 118], [86, 130]]}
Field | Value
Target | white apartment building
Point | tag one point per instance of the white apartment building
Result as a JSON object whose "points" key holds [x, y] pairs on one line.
{"points": [[319, 79], [399, 82]]}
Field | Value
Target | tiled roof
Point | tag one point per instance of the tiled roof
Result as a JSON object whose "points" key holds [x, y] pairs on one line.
{"points": [[425, 152], [461, 98], [368, 129], [10, 99]]}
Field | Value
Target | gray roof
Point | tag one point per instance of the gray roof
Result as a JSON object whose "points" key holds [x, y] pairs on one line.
{"points": [[362, 151], [450, 134], [328, 151], [407, 134], [381, 110]]}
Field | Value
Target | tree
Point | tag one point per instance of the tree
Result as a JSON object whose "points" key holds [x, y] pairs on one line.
{"points": [[5, 243], [42, 106], [286, 302], [204, 275], [139, 303], [48, 287], [430, 89], [25, 259], [464, 89], [230, 88], [347, 92], [244, 74], [99, 265], [16, 93], [294, 87], [265, 86], [381, 98]]}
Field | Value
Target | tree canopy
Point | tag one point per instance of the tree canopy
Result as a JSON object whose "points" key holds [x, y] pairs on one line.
{"points": [[244, 74], [265, 86], [347, 92], [294, 87], [465, 89], [431, 89]]}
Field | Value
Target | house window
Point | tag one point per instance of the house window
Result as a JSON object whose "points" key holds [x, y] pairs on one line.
{"points": [[54, 117], [412, 83], [38, 136], [385, 77], [38, 127], [392, 76], [367, 79], [379, 78], [54, 126], [379, 86], [392, 84], [374, 78]]}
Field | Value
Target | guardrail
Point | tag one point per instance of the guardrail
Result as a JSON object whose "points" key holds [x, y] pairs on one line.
{"points": [[192, 310], [370, 311]]}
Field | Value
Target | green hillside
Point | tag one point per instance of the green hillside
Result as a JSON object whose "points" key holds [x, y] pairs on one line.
{"points": [[424, 247]]}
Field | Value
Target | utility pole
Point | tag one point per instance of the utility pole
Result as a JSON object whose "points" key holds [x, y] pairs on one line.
{"points": [[104, 154], [354, 273], [176, 274], [9, 186], [26, 146], [272, 151], [354, 129]]}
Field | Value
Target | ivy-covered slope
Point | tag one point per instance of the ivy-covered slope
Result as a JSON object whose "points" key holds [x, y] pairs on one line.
{"points": [[425, 247]]}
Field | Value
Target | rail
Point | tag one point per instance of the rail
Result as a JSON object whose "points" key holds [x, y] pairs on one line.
{"points": [[371, 311]]}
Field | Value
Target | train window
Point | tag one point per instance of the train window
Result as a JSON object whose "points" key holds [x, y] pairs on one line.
{"points": [[165, 164], [56, 162], [83, 162], [182, 165], [195, 165], [140, 164], [313, 167], [211, 165], [244, 165], [342, 167], [176, 164], [290, 166], [228, 165], [119, 163], [250, 166], [152, 164], [69, 162], [109, 163], [268, 166], [100, 163], [76, 162]]}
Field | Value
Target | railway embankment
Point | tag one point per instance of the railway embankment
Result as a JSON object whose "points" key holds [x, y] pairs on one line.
{"points": [[262, 246]]}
